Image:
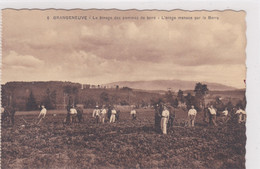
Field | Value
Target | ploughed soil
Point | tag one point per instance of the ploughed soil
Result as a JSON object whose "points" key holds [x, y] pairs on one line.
{"points": [[124, 144]]}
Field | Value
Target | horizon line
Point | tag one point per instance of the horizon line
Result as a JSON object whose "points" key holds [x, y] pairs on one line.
{"points": [[235, 88]]}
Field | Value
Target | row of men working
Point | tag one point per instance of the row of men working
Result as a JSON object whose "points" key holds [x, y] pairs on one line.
{"points": [[163, 116], [111, 112]]}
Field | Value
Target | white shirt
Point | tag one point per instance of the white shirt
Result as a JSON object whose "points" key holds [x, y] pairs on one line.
{"points": [[243, 111], [96, 112], [192, 112], [240, 111], [165, 113], [113, 112], [104, 111], [133, 112], [43, 111], [225, 112], [73, 111], [212, 111]]}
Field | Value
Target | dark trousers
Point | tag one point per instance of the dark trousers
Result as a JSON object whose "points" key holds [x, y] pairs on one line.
{"points": [[133, 116], [213, 118]]}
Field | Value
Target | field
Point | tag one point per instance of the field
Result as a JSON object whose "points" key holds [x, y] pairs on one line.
{"points": [[125, 144]]}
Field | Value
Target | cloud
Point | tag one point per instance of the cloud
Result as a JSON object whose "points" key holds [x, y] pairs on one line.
{"points": [[13, 59], [95, 51]]}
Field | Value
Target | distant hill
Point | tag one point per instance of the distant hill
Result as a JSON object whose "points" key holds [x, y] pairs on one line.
{"points": [[166, 84]]}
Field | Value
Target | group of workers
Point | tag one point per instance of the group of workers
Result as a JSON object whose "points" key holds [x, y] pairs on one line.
{"points": [[210, 115], [164, 116], [100, 114], [110, 113]]}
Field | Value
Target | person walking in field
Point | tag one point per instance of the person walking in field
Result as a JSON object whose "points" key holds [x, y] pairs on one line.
{"points": [[96, 114], [103, 114], [133, 114], [164, 120], [113, 115], [42, 112], [213, 115], [191, 116], [73, 113]]}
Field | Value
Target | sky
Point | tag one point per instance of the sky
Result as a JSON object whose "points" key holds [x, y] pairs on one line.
{"points": [[39, 46]]}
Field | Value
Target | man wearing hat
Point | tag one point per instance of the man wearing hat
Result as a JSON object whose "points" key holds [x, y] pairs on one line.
{"points": [[96, 114]]}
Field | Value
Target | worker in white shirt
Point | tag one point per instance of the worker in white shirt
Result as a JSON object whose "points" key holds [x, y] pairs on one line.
{"points": [[241, 115], [213, 115], [103, 114], [133, 113], [42, 112], [73, 113], [191, 116], [225, 112], [113, 115], [96, 114], [225, 115], [164, 120]]}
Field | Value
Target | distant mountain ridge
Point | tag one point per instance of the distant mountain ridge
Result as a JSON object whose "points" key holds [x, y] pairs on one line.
{"points": [[169, 84], [152, 85]]}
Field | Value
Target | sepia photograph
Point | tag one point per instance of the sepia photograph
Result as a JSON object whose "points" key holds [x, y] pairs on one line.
{"points": [[110, 88]]}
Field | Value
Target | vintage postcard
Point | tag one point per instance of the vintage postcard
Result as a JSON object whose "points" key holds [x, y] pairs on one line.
{"points": [[123, 88]]}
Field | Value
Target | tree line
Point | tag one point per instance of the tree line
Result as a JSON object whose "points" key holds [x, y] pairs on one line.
{"points": [[197, 100], [123, 96]]}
